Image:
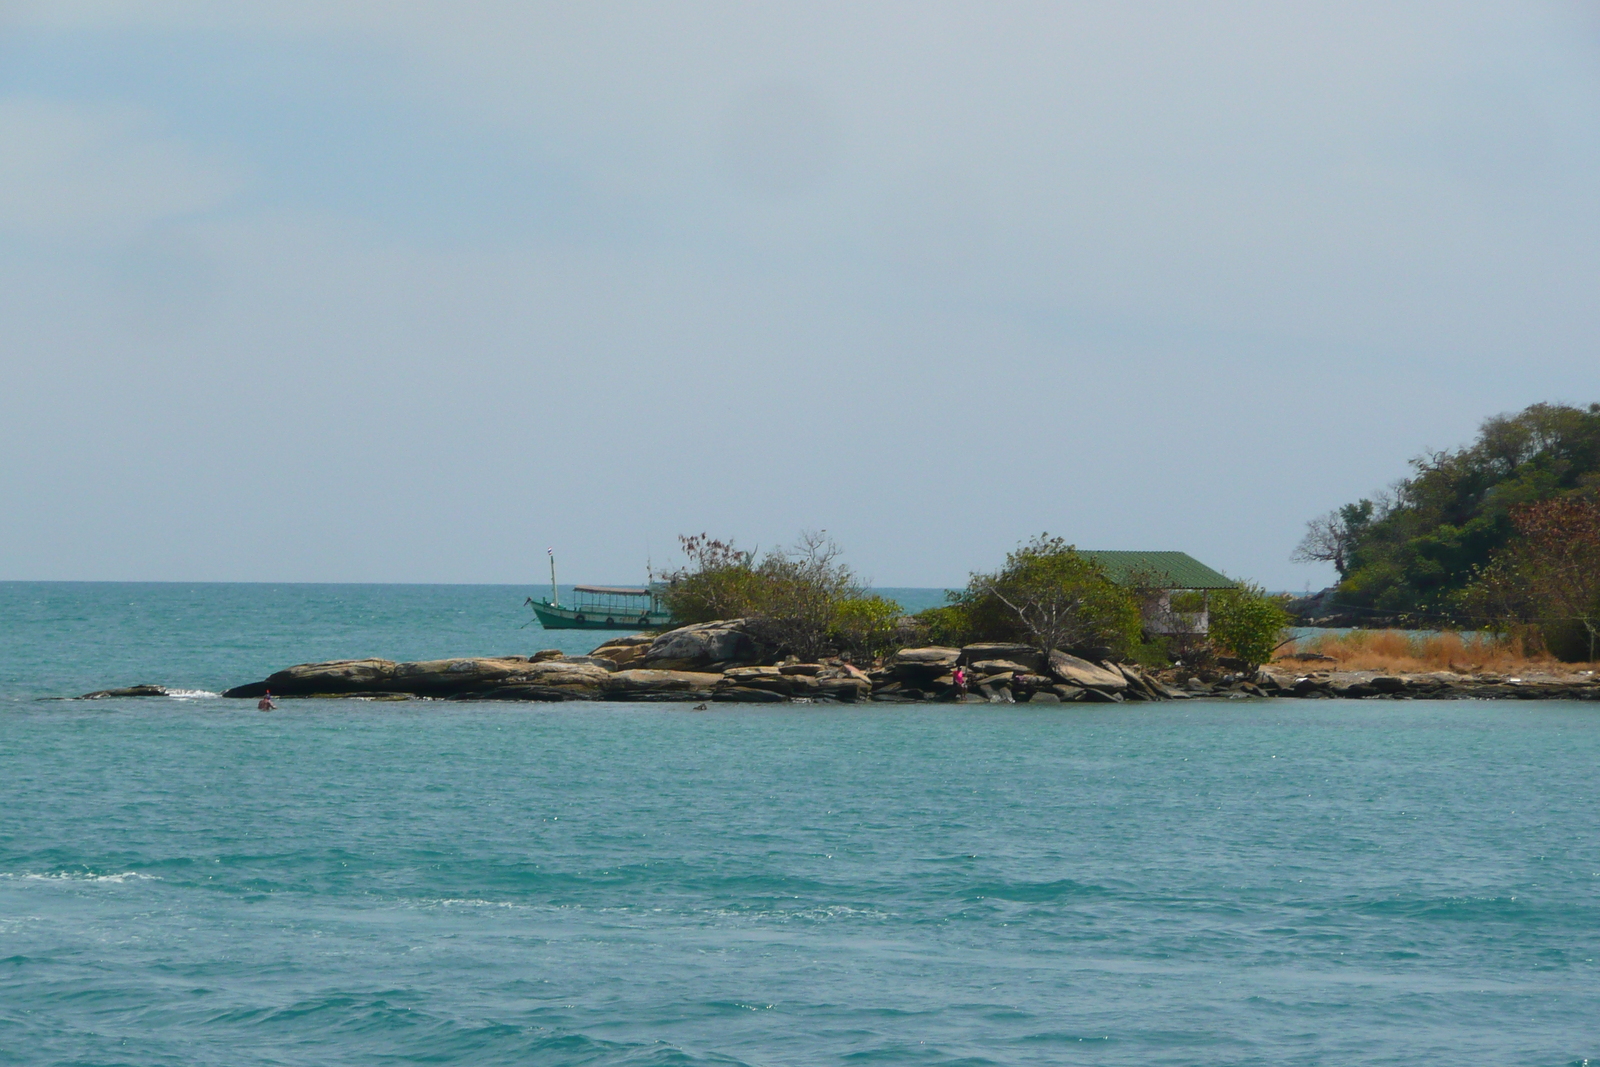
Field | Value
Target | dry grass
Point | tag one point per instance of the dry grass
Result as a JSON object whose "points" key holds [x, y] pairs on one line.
{"points": [[1400, 651]]}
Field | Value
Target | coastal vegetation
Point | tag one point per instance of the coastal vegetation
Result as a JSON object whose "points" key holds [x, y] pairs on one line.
{"points": [[1547, 576], [1046, 595], [1503, 534], [801, 598], [805, 601], [1049, 595]]}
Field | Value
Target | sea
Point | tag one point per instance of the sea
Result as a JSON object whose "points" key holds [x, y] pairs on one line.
{"points": [[186, 881]]}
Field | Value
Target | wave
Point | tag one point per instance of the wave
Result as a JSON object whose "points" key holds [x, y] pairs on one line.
{"points": [[116, 878]]}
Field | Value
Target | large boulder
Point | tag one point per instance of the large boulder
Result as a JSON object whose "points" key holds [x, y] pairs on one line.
{"points": [[725, 643], [844, 682], [771, 679], [1081, 672], [922, 667]]}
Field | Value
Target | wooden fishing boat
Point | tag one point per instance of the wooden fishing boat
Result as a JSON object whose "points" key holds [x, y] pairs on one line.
{"points": [[603, 607]]}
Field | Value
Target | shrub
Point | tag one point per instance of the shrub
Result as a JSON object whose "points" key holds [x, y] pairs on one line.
{"points": [[1247, 624], [800, 599], [866, 624], [719, 582], [949, 625], [1548, 576]]}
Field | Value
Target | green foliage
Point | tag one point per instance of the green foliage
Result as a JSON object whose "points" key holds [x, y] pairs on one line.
{"points": [[1418, 551], [948, 626], [866, 623], [1153, 654], [719, 582], [1247, 624], [1051, 597], [800, 599]]}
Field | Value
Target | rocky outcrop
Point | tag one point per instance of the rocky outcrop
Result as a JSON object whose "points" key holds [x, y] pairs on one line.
{"points": [[721, 661], [916, 674], [814, 681], [1432, 685]]}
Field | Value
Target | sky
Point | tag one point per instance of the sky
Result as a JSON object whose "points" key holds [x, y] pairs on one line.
{"points": [[410, 292]]}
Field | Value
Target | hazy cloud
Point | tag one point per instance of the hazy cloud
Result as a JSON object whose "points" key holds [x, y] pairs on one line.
{"points": [[417, 286]]}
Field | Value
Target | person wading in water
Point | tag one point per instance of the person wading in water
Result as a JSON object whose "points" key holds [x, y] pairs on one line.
{"points": [[265, 703]]}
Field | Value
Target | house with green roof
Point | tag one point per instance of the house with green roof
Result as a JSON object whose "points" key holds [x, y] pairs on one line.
{"points": [[1161, 575]]}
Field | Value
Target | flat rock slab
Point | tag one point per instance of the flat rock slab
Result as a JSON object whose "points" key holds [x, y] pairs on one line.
{"points": [[1081, 672], [646, 682], [435, 678]]}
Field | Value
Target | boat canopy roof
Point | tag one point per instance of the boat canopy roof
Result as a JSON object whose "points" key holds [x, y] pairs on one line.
{"points": [[610, 590]]}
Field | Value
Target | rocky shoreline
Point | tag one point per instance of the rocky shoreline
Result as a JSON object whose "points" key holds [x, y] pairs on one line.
{"points": [[721, 662]]}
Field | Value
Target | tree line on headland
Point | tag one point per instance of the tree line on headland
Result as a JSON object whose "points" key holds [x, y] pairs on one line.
{"points": [[804, 600], [1501, 535]]}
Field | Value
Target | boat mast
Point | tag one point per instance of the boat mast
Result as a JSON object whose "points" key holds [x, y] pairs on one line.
{"points": [[555, 597]]}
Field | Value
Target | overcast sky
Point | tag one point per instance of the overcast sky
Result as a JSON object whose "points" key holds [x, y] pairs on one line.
{"points": [[409, 292]]}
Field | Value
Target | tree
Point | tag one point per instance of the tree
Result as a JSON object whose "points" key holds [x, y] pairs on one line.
{"points": [[1051, 597], [1329, 538], [802, 589], [1247, 623], [1549, 575]]}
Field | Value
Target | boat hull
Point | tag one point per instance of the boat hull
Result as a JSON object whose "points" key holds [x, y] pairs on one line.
{"points": [[557, 618]]}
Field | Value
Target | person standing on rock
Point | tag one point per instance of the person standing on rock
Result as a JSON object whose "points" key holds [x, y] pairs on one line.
{"points": [[960, 678], [265, 703]]}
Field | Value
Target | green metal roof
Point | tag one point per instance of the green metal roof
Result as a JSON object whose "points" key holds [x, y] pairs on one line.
{"points": [[1171, 570]]}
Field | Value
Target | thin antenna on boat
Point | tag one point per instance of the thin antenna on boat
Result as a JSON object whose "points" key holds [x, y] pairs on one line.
{"points": [[555, 595]]}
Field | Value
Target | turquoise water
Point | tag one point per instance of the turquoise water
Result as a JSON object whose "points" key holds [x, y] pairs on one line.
{"points": [[192, 882], [67, 638]]}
